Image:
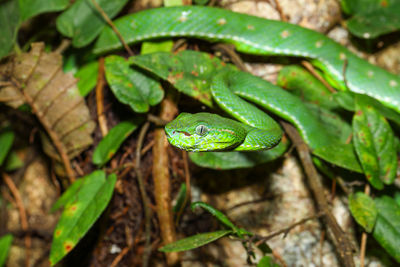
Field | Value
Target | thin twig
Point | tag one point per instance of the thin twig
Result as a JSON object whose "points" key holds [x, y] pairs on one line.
{"points": [[156, 120], [65, 43], [311, 69], [99, 99], [343, 245], [109, 22], [145, 200], [280, 10], [22, 214], [230, 51], [117, 259], [286, 230]]}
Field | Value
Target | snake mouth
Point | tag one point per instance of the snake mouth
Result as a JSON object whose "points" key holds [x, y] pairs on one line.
{"points": [[185, 133]]}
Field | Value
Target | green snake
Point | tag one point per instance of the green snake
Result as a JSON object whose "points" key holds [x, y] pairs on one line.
{"points": [[256, 36], [211, 132]]}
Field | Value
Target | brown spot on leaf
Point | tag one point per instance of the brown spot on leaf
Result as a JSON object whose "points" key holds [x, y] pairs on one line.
{"points": [[359, 113], [195, 73]]}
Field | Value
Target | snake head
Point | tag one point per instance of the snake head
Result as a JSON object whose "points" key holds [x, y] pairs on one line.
{"points": [[204, 132]]}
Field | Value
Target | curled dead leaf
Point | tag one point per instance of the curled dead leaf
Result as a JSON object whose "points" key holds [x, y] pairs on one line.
{"points": [[37, 78]]}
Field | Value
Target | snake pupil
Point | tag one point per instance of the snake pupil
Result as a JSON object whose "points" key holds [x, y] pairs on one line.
{"points": [[201, 130]]}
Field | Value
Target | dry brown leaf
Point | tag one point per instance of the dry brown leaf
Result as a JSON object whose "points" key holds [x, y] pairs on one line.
{"points": [[37, 78]]}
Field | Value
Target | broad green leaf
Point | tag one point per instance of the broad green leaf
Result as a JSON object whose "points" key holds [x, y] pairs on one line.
{"points": [[14, 12], [12, 162], [5, 244], [188, 71], [107, 147], [87, 76], [9, 21], [303, 84], [363, 209], [341, 155], [30, 8], [180, 198], [332, 122], [68, 195], [267, 261], [153, 47], [219, 215], [236, 160], [81, 212], [346, 100], [83, 22], [6, 141], [195, 241], [173, 2], [374, 143], [135, 88], [387, 226], [372, 18]]}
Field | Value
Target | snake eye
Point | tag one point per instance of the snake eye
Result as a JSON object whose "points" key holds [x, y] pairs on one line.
{"points": [[201, 130]]}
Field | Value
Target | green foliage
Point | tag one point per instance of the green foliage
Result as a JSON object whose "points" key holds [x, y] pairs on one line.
{"points": [[180, 198], [31, 8], [110, 144], [82, 21], [374, 143], [371, 18], [363, 209], [188, 71], [87, 76], [14, 12], [6, 141], [5, 244], [219, 215], [83, 204], [137, 89], [387, 226], [267, 261], [194, 241]]}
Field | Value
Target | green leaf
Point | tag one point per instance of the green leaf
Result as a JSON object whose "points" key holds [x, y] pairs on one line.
{"points": [[68, 195], [5, 244], [387, 226], [346, 100], [113, 140], [303, 84], [372, 18], [195, 241], [131, 86], [6, 141], [236, 160], [219, 215], [180, 198], [83, 22], [13, 12], [156, 46], [9, 21], [363, 209], [267, 261], [12, 162], [87, 76], [188, 71], [374, 143], [81, 212], [341, 155], [31, 8]]}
